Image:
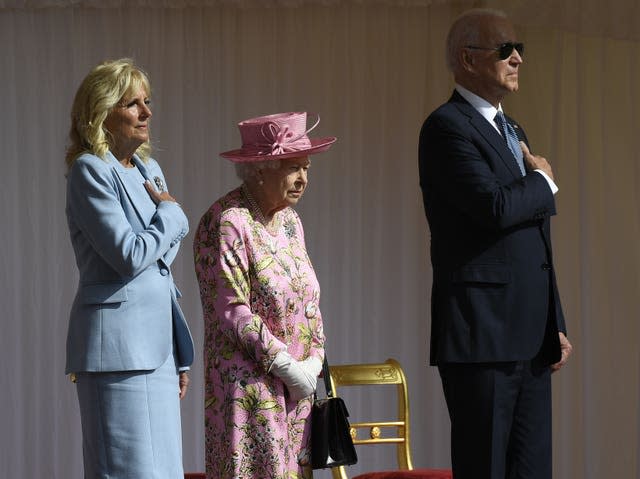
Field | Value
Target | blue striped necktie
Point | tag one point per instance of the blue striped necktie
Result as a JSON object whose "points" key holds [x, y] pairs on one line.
{"points": [[509, 134]]}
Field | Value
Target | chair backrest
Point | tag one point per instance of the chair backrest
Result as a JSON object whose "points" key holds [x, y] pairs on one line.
{"points": [[394, 432]]}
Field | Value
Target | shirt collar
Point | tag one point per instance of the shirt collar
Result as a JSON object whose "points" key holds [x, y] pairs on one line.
{"points": [[486, 109]]}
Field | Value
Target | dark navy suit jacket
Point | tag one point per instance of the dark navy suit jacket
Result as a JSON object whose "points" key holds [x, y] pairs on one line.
{"points": [[494, 294]]}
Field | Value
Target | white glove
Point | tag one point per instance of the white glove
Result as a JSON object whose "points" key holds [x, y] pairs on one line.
{"points": [[313, 366], [296, 375]]}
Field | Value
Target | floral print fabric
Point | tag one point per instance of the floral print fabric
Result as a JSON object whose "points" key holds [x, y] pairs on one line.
{"points": [[259, 296]]}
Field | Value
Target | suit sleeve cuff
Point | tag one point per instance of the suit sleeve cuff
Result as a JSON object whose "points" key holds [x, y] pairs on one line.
{"points": [[552, 185]]}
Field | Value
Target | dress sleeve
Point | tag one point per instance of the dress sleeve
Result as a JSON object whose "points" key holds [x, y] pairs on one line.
{"points": [[312, 309], [222, 268]]}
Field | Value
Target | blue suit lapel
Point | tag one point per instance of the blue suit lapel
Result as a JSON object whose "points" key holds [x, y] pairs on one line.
{"points": [[488, 132], [141, 166], [147, 175], [142, 206]]}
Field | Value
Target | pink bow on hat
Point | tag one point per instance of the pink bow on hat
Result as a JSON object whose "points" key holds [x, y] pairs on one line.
{"points": [[277, 136], [281, 138]]}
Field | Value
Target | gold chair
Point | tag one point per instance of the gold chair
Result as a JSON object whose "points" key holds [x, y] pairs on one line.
{"points": [[395, 432]]}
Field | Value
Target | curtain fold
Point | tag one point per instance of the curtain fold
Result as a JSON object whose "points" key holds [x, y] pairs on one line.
{"points": [[31, 4], [619, 19], [373, 71]]}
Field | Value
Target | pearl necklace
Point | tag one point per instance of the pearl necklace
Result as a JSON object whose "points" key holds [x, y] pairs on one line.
{"points": [[272, 227]]}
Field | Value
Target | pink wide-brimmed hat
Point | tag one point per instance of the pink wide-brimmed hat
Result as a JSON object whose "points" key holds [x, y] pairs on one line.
{"points": [[277, 136]]}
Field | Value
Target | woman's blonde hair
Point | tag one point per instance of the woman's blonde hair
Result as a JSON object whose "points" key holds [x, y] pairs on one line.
{"points": [[101, 90]]}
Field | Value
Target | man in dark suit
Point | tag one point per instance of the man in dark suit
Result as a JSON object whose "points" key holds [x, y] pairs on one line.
{"points": [[497, 325]]}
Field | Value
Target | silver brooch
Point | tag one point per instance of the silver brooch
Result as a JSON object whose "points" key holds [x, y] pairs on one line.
{"points": [[159, 183]]}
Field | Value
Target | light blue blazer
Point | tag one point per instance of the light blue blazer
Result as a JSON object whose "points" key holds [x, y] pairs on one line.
{"points": [[125, 315]]}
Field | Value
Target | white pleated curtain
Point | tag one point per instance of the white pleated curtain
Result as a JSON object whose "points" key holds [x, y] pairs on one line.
{"points": [[373, 70]]}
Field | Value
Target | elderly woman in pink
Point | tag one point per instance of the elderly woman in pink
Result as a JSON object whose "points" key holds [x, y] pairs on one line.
{"points": [[264, 343]]}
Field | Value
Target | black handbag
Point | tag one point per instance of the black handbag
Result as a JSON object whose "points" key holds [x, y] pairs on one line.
{"points": [[331, 443]]}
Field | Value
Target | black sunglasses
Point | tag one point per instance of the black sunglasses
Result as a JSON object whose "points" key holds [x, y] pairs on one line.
{"points": [[504, 49]]}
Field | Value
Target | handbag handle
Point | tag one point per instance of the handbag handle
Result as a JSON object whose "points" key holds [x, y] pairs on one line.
{"points": [[326, 375]]}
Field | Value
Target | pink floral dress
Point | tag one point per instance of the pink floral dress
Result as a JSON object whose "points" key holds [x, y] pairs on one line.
{"points": [[259, 296]]}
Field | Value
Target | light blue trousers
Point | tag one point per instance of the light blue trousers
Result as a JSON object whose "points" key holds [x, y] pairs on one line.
{"points": [[131, 424]]}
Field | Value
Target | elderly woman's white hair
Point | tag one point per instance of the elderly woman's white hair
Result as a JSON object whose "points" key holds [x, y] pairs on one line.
{"points": [[466, 31], [246, 170]]}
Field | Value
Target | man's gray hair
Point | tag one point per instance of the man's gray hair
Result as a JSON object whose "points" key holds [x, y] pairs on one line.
{"points": [[465, 31]]}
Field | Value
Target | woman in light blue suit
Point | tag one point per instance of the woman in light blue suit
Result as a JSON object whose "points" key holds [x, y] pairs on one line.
{"points": [[128, 344]]}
